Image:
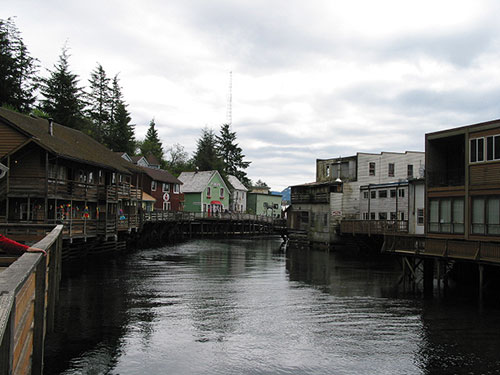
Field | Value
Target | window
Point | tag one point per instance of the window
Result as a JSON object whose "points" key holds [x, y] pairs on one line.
{"points": [[382, 194], [486, 215], [208, 192], [373, 194], [391, 170], [394, 215], [420, 216], [365, 216], [113, 178], [81, 176], [327, 171], [401, 193], [153, 185], [371, 169], [176, 188], [365, 195], [372, 215], [222, 192], [166, 206], [446, 215], [410, 170], [91, 177], [476, 150], [165, 188], [101, 177], [393, 193], [382, 215], [401, 215]]}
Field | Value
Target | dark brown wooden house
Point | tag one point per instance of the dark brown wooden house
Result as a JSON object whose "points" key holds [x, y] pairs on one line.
{"points": [[163, 186], [60, 175]]}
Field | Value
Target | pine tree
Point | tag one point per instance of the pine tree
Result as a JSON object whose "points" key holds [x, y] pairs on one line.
{"points": [[206, 157], [17, 69], [99, 102], [120, 135], [62, 96], [152, 143], [231, 154]]}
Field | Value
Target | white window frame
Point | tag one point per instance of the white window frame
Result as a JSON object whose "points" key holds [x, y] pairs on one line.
{"points": [[165, 187], [153, 185], [176, 188]]}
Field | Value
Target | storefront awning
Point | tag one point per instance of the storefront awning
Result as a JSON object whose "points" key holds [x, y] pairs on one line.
{"points": [[216, 202]]}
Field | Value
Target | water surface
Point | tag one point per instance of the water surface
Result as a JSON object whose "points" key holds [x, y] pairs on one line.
{"points": [[241, 306]]}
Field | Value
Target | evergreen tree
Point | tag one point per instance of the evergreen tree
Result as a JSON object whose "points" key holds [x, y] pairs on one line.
{"points": [[99, 103], [62, 96], [152, 143], [120, 135], [17, 69], [206, 157], [231, 154]]}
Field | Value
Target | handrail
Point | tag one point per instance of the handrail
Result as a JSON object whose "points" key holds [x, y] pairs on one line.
{"points": [[29, 287]]}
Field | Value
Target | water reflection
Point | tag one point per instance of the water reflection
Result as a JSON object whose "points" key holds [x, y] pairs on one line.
{"points": [[241, 307]]}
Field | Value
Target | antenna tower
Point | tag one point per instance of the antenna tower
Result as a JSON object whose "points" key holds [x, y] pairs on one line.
{"points": [[229, 109]]}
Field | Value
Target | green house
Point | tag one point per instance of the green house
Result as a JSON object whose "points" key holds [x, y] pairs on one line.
{"points": [[205, 192], [264, 204]]}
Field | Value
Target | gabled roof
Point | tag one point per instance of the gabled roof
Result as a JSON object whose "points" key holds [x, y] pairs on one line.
{"points": [[65, 142], [161, 175], [196, 182], [135, 159], [152, 160], [235, 183]]}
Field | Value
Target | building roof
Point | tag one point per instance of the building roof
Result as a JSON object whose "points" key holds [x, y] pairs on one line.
{"points": [[196, 182], [151, 159], [161, 175], [65, 142], [235, 183], [147, 198], [135, 159]]}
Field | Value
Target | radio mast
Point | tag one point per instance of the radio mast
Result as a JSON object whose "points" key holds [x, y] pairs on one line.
{"points": [[229, 109]]}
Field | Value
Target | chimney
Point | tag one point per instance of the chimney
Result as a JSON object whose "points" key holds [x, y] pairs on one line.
{"points": [[51, 126]]}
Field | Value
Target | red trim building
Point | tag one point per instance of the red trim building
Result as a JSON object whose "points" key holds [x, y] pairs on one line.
{"points": [[164, 187]]}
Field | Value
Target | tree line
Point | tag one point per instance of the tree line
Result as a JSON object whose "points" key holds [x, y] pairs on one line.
{"points": [[100, 110]]}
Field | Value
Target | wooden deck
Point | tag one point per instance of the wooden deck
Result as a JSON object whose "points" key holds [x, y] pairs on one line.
{"points": [[477, 251]]}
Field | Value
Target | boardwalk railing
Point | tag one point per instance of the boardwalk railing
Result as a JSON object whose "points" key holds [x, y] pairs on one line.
{"points": [[487, 252], [373, 226], [28, 294], [191, 216]]}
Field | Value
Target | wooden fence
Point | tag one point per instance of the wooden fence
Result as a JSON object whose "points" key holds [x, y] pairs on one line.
{"points": [[28, 295], [373, 226]]}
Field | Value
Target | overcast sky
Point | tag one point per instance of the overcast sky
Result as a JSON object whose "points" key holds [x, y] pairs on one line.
{"points": [[311, 79]]}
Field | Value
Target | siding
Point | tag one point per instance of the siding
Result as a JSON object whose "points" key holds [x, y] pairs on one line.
{"points": [[484, 174], [10, 139]]}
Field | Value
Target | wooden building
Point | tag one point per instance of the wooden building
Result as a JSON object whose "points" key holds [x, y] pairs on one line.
{"points": [[205, 192], [164, 187], [463, 190], [60, 175]]}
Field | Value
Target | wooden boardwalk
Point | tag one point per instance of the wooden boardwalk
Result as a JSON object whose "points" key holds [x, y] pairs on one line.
{"points": [[29, 289]]}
